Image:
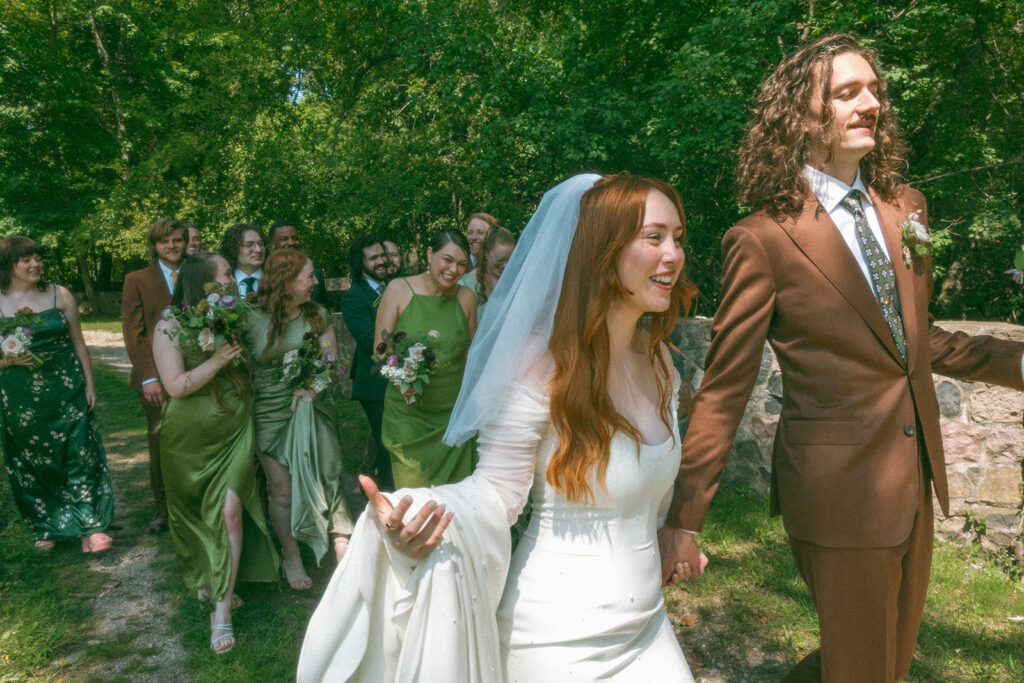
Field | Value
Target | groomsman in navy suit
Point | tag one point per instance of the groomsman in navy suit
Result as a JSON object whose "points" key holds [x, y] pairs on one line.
{"points": [[368, 266]]}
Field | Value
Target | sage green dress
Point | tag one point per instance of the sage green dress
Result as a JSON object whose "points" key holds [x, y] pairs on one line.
{"points": [[304, 441], [206, 450], [52, 448], [412, 432]]}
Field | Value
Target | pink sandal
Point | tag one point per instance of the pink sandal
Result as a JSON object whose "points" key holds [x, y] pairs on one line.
{"points": [[96, 543], [45, 546]]}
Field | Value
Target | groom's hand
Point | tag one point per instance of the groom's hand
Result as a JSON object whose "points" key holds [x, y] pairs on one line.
{"points": [[681, 559]]}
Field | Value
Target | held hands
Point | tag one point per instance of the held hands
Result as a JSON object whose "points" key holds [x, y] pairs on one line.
{"points": [[681, 559], [418, 537]]}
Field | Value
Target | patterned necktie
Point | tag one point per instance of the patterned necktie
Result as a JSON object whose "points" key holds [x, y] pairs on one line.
{"points": [[174, 280], [250, 285], [883, 278]]}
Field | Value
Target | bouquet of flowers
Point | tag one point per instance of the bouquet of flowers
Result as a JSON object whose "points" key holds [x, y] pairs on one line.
{"points": [[311, 365], [16, 335], [206, 325], [405, 363]]}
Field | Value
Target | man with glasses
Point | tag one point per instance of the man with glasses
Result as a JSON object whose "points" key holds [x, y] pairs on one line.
{"points": [[244, 247]]}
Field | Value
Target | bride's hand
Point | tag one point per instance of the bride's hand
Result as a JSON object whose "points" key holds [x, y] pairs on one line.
{"points": [[418, 537], [681, 559]]}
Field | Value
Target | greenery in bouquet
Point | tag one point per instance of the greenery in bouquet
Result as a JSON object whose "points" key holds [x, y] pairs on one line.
{"points": [[311, 365], [16, 334], [204, 327], [405, 363]]}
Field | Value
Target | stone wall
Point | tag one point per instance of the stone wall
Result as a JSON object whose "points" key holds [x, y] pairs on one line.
{"points": [[981, 427]]}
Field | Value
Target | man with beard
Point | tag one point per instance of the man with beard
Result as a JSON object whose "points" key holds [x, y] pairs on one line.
{"points": [[368, 266]]}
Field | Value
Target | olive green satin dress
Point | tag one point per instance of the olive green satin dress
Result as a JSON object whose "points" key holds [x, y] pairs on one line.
{"points": [[305, 441], [206, 450], [412, 432]]}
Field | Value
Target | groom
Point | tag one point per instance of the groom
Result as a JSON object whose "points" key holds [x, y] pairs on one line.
{"points": [[818, 270]]}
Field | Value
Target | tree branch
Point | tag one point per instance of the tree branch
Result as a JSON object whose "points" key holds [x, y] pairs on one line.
{"points": [[965, 170]]}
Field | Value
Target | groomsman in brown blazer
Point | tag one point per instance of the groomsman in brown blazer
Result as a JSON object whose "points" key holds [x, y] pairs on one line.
{"points": [[146, 293], [822, 272]]}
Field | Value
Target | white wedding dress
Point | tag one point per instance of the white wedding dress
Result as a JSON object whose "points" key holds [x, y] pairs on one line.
{"points": [[580, 601]]}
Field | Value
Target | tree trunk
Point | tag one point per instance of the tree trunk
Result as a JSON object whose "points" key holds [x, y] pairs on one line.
{"points": [[92, 303]]}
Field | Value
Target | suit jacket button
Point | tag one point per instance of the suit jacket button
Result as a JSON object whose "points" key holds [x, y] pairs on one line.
{"points": [[909, 430]]}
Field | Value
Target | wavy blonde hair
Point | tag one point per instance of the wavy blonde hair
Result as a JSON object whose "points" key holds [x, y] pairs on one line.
{"points": [[611, 215], [772, 154]]}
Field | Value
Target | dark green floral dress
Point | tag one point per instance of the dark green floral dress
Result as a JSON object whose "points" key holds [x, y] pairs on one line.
{"points": [[52, 449]]}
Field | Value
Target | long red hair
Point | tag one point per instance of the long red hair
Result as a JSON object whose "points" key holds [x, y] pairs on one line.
{"points": [[611, 215], [281, 269]]}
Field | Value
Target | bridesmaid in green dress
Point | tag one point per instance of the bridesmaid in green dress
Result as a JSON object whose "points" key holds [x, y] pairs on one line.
{"points": [[209, 463], [433, 301], [52, 449], [296, 429]]}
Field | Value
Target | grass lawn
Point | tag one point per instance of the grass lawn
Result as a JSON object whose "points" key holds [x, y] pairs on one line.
{"points": [[748, 617], [106, 323]]}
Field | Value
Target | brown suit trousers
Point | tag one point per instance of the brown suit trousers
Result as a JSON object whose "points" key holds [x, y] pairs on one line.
{"points": [[858, 438], [143, 299]]}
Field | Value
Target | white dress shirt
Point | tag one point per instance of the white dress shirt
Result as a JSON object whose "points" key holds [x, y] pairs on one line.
{"points": [[830, 192], [240, 275], [167, 270]]}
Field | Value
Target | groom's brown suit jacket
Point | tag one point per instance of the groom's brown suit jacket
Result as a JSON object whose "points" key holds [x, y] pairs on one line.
{"points": [[846, 464]]}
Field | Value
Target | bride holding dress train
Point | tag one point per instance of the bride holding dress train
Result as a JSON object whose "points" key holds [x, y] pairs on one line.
{"points": [[572, 391]]}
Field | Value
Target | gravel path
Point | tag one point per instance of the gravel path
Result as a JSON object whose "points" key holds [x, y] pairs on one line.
{"points": [[132, 612]]}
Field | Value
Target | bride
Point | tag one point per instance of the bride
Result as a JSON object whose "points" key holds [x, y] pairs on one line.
{"points": [[571, 388]]}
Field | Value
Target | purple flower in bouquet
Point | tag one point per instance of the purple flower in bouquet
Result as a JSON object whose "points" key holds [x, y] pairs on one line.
{"points": [[227, 301]]}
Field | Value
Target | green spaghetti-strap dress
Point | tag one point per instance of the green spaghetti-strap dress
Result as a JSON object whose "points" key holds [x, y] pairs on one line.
{"points": [[412, 432], [305, 441]]}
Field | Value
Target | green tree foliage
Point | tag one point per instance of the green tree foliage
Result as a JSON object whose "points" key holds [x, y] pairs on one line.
{"points": [[403, 116]]}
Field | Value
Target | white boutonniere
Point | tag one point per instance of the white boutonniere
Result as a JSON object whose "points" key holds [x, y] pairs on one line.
{"points": [[916, 240]]}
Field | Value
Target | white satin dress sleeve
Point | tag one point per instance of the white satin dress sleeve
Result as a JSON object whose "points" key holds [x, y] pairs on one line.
{"points": [[383, 618]]}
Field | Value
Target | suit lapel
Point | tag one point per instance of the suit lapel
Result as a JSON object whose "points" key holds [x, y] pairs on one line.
{"points": [[890, 218], [159, 283], [818, 238]]}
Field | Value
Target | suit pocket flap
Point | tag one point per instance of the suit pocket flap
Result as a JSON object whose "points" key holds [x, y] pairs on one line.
{"points": [[839, 432]]}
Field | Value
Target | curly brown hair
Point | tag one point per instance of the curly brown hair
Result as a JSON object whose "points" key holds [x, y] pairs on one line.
{"points": [[280, 270], [773, 152]]}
